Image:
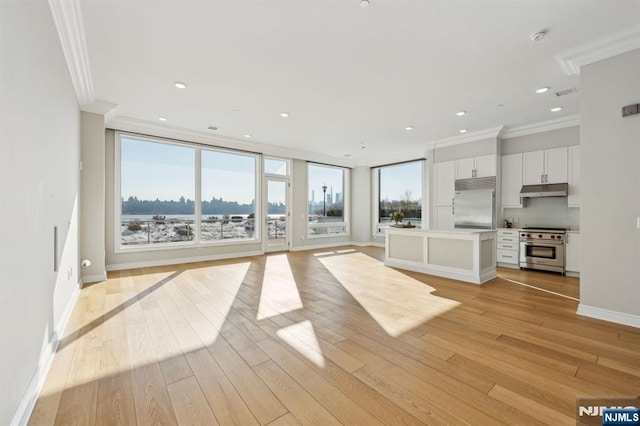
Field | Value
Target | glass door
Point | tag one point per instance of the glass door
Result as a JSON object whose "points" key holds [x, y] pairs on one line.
{"points": [[276, 229]]}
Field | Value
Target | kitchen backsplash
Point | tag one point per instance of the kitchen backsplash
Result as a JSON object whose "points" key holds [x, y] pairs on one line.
{"points": [[549, 211]]}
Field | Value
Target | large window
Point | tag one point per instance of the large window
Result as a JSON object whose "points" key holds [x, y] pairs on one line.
{"points": [[228, 196], [328, 202], [160, 205], [400, 189]]}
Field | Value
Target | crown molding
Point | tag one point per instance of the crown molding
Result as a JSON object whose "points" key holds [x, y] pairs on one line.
{"points": [[127, 124], [494, 132], [543, 126], [624, 41], [68, 20], [105, 108]]}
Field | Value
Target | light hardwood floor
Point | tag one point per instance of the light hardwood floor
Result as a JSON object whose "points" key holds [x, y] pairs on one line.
{"points": [[330, 337]]}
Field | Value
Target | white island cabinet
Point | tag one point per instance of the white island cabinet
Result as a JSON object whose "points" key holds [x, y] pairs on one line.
{"points": [[465, 255]]}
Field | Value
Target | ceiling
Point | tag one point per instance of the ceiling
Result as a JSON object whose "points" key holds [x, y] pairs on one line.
{"points": [[351, 78]]}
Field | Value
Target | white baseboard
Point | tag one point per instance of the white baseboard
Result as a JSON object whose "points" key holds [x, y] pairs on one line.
{"points": [[86, 279], [180, 260], [608, 315], [28, 403]]}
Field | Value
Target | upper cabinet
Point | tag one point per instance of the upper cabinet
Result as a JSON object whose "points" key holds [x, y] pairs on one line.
{"points": [[511, 180], [547, 166], [573, 200], [473, 167], [444, 183]]}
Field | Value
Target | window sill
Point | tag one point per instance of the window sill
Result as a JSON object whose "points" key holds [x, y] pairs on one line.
{"points": [[182, 246]]}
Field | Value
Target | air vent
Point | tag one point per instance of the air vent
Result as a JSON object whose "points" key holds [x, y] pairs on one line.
{"points": [[212, 128], [566, 91]]}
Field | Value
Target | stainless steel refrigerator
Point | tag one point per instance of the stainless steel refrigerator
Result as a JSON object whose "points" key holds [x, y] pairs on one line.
{"points": [[474, 208]]}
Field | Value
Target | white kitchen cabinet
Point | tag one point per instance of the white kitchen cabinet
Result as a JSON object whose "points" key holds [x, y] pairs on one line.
{"points": [[443, 218], [508, 247], [481, 166], [511, 180], [547, 166], [573, 200], [444, 183], [572, 252]]}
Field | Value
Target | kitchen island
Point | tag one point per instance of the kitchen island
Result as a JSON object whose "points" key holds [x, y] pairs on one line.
{"points": [[465, 255]]}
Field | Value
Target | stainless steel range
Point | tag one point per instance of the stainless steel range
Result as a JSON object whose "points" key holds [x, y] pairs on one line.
{"points": [[542, 248]]}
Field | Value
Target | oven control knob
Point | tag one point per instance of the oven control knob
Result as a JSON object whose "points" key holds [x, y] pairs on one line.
{"points": [[529, 235], [523, 235], [559, 237], [539, 235], [553, 236]]}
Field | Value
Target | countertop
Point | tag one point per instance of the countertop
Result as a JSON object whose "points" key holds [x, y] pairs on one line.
{"points": [[446, 231]]}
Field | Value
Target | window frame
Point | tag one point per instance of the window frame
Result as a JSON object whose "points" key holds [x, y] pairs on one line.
{"points": [[196, 242], [346, 205], [378, 228]]}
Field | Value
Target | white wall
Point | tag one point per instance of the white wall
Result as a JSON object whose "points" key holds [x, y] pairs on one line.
{"points": [[465, 150], [92, 190], [39, 180], [544, 140], [361, 204], [610, 200]]}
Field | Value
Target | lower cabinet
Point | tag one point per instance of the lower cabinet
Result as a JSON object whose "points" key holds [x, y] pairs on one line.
{"points": [[508, 248], [572, 252], [443, 218]]}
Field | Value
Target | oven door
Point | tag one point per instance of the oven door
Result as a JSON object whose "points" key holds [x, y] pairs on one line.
{"points": [[545, 255]]}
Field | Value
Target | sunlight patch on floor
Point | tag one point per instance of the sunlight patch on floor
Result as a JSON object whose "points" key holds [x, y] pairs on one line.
{"points": [[303, 339], [279, 293], [222, 285], [397, 302]]}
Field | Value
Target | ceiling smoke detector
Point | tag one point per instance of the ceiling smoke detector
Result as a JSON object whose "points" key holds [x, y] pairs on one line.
{"points": [[212, 128], [364, 3], [538, 36]]}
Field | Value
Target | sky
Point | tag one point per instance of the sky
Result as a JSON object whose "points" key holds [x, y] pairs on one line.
{"points": [[396, 180], [321, 175], [167, 172]]}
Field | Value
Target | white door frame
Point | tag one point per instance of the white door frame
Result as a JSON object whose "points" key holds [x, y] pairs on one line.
{"points": [[286, 246]]}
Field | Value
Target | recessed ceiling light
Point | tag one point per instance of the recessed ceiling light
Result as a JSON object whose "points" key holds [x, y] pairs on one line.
{"points": [[247, 135], [347, 155], [542, 90], [180, 85], [500, 105], [409, 128], [463, 130], [364, 3], [556, 109], [162, 118], [235, 110], [212, 128], [284, 114], [538, 36], [461, 113]]}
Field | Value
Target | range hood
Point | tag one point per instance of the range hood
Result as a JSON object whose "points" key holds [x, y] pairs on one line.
{"points": [[545, 190]]}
